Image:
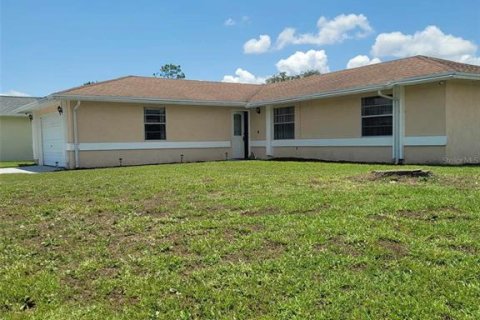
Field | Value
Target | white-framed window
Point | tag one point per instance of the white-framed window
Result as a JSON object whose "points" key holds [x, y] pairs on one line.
{"points": [[155, 120], [376, 116], [284, 123]]}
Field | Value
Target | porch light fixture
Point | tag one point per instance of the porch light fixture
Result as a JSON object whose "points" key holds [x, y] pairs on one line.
{"points": [[60, 110], [30, 117], [258, 110]]}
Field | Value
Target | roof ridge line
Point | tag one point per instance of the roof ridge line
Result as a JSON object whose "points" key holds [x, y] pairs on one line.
{"points": [[436, 62], [91, 85]]}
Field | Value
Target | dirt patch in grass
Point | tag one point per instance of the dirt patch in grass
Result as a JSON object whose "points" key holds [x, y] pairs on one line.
{"points": [[465, 248], [267, 251], [394, 247], [340, 245], [118, 298], [158, 205], [434, 215], [392, 178], [234, 234], [260, 211], [359, 266]]}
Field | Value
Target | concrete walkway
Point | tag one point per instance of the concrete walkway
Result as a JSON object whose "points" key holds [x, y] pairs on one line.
{"points": [[29, 169]]}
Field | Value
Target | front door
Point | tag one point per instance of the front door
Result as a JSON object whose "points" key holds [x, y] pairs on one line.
{"points": [[238, 136]]}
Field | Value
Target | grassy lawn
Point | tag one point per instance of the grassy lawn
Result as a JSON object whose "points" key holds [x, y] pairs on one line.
{"points": [[240, 240], [15, 164]]}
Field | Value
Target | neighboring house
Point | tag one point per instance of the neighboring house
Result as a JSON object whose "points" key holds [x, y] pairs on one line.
{"points": [[413, 110], [15, 129]]}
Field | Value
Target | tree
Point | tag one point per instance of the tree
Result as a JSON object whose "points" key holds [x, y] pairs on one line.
{"points": [[89, 83], [170, 71], [282, 76]]}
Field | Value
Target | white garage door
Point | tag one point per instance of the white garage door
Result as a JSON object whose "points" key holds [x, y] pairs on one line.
{"points": [[53, 140]]}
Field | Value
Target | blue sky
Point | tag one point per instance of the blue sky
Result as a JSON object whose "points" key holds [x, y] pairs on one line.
{"points": [[47, 46]]}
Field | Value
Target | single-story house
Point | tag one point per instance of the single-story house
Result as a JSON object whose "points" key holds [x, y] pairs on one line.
{"points": [[413, 110], [15, 129]]}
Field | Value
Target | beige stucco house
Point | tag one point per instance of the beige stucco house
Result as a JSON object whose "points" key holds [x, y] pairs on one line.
{"points": [[15, 129], [413, 110]]}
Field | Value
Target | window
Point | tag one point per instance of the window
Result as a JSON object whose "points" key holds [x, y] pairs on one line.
{"points": [[237, 124], [376, 116], [284, 123], [154, 124]]}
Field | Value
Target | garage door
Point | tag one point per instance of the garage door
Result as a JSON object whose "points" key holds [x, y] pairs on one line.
{"points": [[53, 140]]}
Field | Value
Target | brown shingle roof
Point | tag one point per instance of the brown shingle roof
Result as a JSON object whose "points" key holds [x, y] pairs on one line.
{"points": [[167, 89], [193, 90], [376, 74]]}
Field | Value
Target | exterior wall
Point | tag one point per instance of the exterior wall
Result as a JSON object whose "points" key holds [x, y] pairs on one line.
{"points": [[15, 139], [124, 122], [463, 122], [111, 158], [257, 124], [330, 118], [259, 152], [113, 123], [340, 119], [333, 118], [353, 154], [424, 154], [425, 110]]}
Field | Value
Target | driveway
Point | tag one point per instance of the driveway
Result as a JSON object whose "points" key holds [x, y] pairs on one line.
{"points": [[29, 169]]}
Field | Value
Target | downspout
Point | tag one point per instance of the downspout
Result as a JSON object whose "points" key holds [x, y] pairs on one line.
{"points": [[75, 134], [397, 147], [268, 131]]}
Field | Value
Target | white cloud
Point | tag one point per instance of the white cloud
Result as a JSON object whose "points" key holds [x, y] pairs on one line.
{"points": [[243, 76], [230, 22], [14, 93], [340, 28], [257, 46], [303, 61], [361, 60], [431, 42]]}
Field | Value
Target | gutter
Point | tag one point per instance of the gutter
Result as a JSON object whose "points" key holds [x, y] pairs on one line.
{"points": [[75, 134], [151, 100]]}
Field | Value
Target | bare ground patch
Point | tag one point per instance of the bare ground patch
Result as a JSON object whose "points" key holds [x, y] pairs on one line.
{"points": [[394, 248], [268, 250], [434, 214], [409, 177], [340, 245]]}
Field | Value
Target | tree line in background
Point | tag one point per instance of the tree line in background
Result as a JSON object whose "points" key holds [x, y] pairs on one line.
{"points": [[174, 71], [282, 76]]}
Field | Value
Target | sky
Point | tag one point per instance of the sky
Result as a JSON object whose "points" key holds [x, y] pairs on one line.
{"points": [[48, 46]]}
